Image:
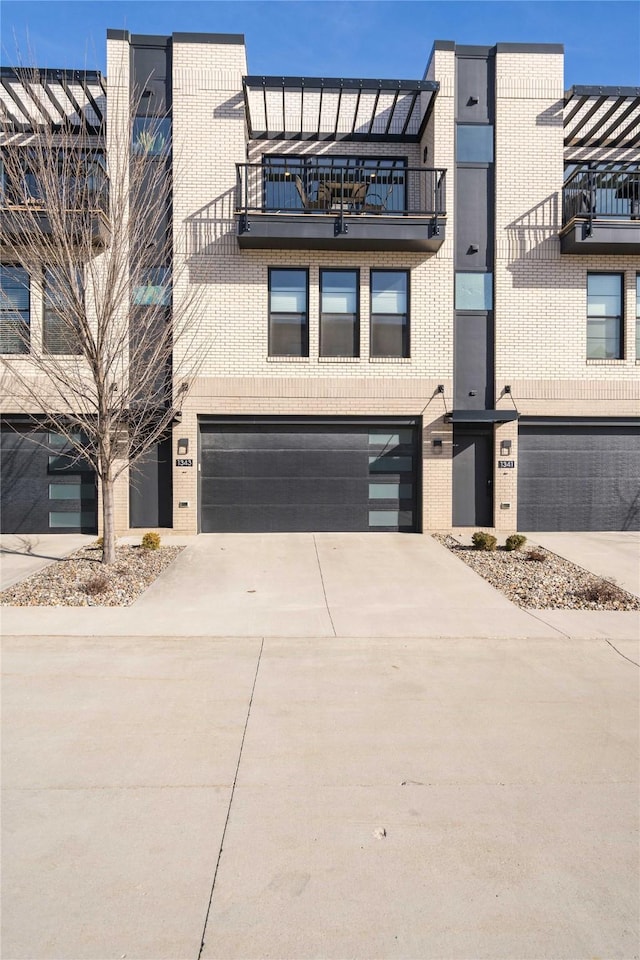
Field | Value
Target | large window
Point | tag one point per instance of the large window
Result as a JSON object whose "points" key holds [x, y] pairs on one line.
{"points": [[339, 327], [288, 313], [61, 312], [389, 313], [14, 310], [604, 316]]}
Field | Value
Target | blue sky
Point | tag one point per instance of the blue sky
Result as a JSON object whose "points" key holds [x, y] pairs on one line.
{"points": [[335, 37]]}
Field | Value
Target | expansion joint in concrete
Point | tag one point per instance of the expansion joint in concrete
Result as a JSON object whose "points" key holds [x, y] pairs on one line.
{"points": [[231, 795]]}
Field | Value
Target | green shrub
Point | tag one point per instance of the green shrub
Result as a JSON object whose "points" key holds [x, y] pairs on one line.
{"points": [[484, 541], [515, 542], [151, 541]]}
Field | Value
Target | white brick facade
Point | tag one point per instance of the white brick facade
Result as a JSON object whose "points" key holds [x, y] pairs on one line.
{"points": [[540, 293]]}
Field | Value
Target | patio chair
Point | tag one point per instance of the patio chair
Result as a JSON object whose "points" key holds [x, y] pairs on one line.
{"points": [[375, 201], [323, 198]]}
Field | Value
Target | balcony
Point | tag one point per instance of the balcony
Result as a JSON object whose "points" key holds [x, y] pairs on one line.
{"points": [[340, 204], [601, 210], [20, 221]]}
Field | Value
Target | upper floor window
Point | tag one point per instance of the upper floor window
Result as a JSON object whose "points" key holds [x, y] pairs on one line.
{"points": [[61, 311], [151, 136], [389, 313], [474, 143], [339, 327], [288, 313], [474, 291], [604, 316], [153, 288], [14, 310]]}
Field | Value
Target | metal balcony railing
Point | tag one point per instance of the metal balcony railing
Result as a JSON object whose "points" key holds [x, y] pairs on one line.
{"points": [[593, 192], [305, 186]]}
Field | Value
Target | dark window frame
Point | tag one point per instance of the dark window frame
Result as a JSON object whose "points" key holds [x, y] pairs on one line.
{"points": [[305, 338], [11, 316], [48, 308], [619, 317], [321, 313], [406, 354]]}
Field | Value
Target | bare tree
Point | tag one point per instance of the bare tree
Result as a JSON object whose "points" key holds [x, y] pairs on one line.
{"points": [[86, 219]]}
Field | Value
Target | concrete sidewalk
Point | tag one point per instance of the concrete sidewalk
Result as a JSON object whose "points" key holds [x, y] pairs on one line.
{"points": [[322, 585], [25, 554], [339, 798]]}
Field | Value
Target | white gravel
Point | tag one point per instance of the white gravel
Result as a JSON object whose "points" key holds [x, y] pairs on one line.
{"points": [[548, 584], [81, 580]]}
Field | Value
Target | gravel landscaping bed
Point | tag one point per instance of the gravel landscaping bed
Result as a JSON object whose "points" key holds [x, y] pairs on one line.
{"points": [[80, 580], [546, 583]]}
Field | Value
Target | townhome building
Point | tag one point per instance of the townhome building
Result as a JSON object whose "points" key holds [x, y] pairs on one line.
{"points": [[420, 299]]}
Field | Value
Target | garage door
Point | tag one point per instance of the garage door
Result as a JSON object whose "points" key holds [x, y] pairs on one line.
{"points": [[308, 476], [575, 477], [44, 490]]}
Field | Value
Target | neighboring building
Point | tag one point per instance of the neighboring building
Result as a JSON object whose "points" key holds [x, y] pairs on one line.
{"points": [[422, 299]]}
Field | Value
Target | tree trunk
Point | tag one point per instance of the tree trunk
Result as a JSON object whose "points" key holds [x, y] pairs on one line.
{"points": [[108, 523]]}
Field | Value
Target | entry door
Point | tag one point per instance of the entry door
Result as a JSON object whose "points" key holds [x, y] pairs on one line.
{"points": [[472, 477]]}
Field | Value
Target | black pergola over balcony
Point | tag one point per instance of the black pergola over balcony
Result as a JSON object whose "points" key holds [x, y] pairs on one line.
{"points": [[65, 100], [357, 203], [601, 209], [324, 108]]}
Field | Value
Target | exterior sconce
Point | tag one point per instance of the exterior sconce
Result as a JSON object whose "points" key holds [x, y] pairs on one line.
{"points": [[505, 448], [183, 446], [437, 445]]}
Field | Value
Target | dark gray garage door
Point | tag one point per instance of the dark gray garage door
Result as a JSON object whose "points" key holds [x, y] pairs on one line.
{"points": [[574, 477], [44, 490], [308, 476]]}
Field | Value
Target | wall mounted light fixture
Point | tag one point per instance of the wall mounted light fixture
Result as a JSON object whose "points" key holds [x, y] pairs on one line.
{"points": [[183, 446], [505, 448]]}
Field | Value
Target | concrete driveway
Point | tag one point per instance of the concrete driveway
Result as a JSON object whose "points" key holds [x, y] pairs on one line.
{"points": [[302, 798], [319, 585], [615, 555]]}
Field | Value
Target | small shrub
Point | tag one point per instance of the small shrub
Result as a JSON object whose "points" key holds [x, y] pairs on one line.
{"points": [[536, 555], [484, 541], [600, 591], [151, 541], [98, 584], [515, 542], [99, 543]]}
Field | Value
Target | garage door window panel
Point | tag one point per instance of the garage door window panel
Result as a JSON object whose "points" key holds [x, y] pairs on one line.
{"points": [[339, 313], [604, 316], [288, 313], [14, 310], [389, 313]]}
